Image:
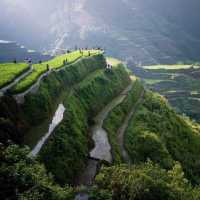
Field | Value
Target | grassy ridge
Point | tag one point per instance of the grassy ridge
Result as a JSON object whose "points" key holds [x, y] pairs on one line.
{"points": [[39, 69], [37, 107], [158, 133], [117, 116], [42, 105], [66, 152], [10, 71]]}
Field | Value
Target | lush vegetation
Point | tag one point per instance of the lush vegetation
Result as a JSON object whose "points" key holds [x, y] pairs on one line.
{"points": [[146, 181], [24, 178], [58, 62], [117, 117], [65, 154], [40, 106], [10, 71], [156, 132], [163, 146]]}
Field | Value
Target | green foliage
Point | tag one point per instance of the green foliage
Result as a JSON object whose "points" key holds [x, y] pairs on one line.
{"points": [[22, 177], [148, 145], [156, 132], [10, 71], [65, 154], [145, 182], [97, 89], [117, 116]]}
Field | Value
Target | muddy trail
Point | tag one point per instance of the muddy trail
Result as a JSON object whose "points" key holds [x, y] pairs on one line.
{"points": [[123, 128]]}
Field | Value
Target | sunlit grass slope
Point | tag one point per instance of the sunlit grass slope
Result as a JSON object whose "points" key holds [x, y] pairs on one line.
{"points": [[177, 66], [113, 61], [57, 62], [9, 71]]}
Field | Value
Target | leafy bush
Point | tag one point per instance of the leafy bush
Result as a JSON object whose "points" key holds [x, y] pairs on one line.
{"points": [[145, 182], [158, 133], [23, 178]]}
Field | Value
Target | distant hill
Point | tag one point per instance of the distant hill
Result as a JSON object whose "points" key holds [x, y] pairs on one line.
{"points": [[12, 50]]}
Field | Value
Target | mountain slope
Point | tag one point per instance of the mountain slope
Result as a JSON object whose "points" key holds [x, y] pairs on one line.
{"points": [[163, 146]]}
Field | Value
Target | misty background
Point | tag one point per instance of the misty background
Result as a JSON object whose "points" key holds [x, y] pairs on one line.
{"points": [[138, 31]]}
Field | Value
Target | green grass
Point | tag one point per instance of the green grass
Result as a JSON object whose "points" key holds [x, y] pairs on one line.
{"points": [[178, 66], [9, 71], [71, 57], [152, 81], [57, 62], [113, 61]]}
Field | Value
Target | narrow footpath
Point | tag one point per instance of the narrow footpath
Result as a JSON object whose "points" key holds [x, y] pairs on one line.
{"points": [[123, 128]]}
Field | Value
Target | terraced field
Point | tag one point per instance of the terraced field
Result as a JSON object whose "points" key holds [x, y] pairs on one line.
{"points": [[177, 66], [113, 61], [10, 71], [180, 84]]}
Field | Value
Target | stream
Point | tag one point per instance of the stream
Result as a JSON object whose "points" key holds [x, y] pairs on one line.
{"points": [[58, 117]]}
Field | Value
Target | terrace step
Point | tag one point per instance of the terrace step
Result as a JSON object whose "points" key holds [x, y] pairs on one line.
{"points": [[9, 86], [34, 88]]}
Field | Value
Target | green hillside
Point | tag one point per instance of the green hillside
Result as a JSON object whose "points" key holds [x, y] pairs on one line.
{"points": [[155, 151], [10, 71]]}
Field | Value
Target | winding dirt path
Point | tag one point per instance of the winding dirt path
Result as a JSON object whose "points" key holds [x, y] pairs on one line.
{"points": [[123, 128]]}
